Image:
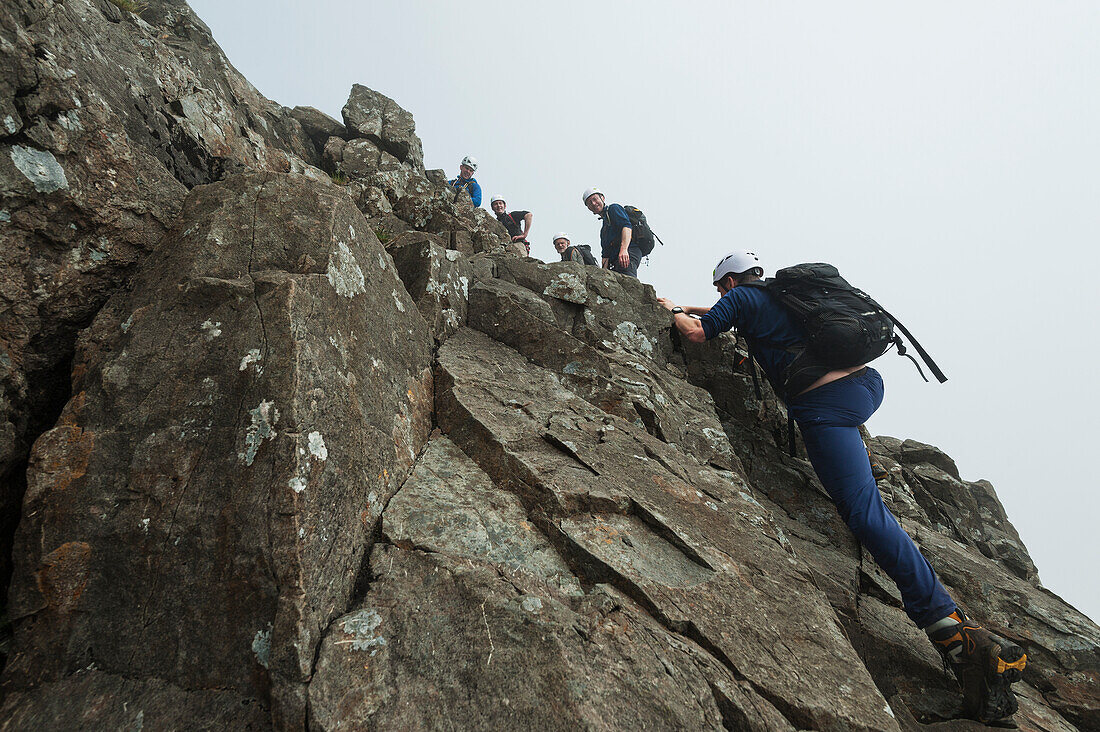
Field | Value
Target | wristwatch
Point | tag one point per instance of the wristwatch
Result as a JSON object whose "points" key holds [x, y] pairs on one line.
{"points": [[677, 310]]}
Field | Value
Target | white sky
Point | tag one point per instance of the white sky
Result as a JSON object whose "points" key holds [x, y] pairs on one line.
{"points": [[946, 158]]}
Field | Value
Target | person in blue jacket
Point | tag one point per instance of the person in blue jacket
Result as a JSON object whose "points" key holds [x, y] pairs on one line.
{"points": [[466, 181], [828, 413], [617, 252]]}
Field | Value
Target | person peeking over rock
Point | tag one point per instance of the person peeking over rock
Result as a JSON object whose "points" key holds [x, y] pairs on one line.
{"points": [[616, 251], [829, 406], [581, 253], [511, 221], [466, 181]]}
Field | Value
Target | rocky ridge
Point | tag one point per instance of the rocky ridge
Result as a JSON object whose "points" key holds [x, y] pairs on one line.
{"points": [[107, 119], [333, 455]]}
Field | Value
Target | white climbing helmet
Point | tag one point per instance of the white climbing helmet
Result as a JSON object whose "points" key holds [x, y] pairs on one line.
{"points": [[494, 199], [560, 235], [470, 161], [736, 263], [588, 192]]}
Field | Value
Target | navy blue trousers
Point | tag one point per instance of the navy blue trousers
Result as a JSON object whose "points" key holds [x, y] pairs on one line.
{"points": [[829, 418]]}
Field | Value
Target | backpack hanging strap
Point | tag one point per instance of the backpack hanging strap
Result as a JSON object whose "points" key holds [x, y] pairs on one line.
{"points": [[916, 344], [902, 352]]}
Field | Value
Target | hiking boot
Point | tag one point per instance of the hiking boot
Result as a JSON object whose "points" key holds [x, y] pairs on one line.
{"points": [[986, 666]]}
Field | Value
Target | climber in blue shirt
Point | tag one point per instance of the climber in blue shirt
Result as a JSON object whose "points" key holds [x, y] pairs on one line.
{"points": [[829, 412], [617, 252], [466, 181]]}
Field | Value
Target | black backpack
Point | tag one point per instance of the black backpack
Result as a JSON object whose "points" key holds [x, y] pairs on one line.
{"points": [[640, 233], [844, 327], [586, 254]]}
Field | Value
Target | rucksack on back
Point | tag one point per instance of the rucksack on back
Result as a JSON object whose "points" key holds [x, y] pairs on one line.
{"points": [[586, 254], [844, 327], [640, 233]]}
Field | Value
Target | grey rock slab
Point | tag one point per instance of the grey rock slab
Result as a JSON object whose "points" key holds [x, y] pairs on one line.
{"points": [[438, 280], [445, 643], [365, 163], [913, 452], [40, 167], [93, 700], [188, 519], [450, 506], [673, 410], [376, 206], [239, 420], [71, 237], [433, 208], [318, 125], [968, 512], [116, 116], [903, 661], [619, 382], [332, 154], [378, 118], [681, 538], [519, 318], [620, 313], [1036, 714], [162, 76]]}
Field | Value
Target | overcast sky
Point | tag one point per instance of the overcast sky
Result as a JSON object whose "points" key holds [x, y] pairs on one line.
{"points": [[945, 157]]}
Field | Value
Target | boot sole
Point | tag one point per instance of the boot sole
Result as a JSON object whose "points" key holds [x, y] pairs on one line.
{"points": [[1006, 668]]}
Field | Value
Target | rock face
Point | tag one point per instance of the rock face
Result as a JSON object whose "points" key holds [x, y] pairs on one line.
{"points": [[686, 541], [380, 120], [318, 125], [333, 455], [107, 119], [228, 450]]}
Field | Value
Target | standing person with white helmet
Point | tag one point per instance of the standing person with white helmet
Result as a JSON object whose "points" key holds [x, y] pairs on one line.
{"points": [[616, 251], [829, 405], [466, 181], [511, 220], [580, 253]]}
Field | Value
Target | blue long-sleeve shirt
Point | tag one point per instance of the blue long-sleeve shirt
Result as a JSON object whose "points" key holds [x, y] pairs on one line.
{"points": [[763, 321], [470, 185], [611, 233]]}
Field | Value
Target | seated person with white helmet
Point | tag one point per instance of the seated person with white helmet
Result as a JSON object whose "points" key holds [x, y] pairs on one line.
{"points": [[581, 253]]}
